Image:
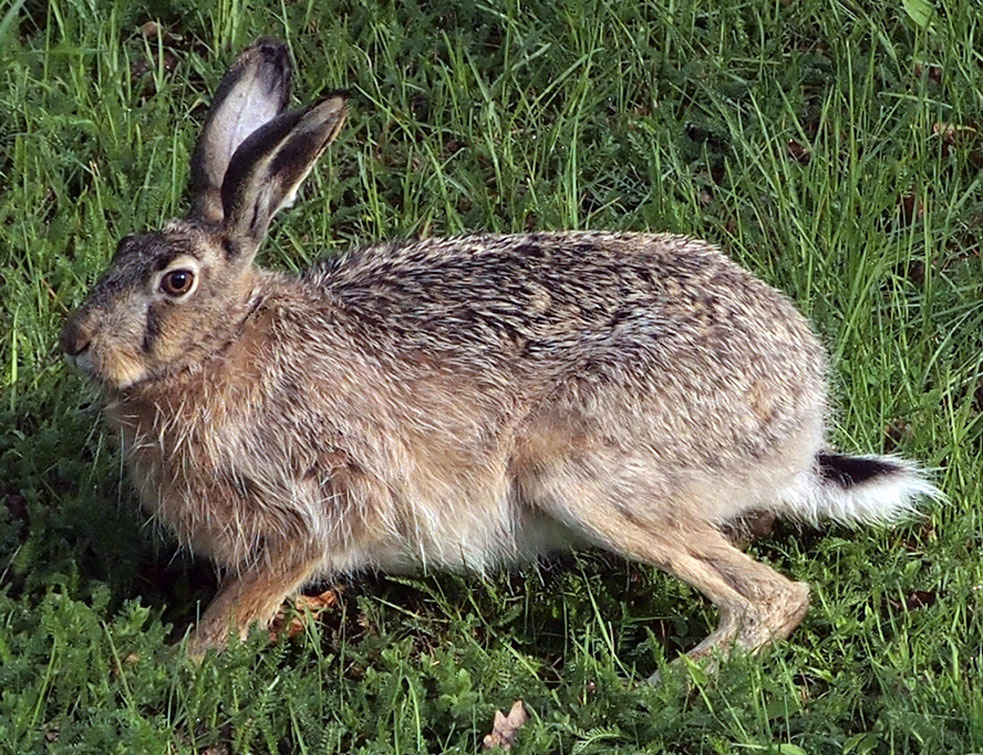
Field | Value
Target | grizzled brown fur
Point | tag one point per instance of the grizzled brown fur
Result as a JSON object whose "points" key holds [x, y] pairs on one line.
{"points": [[452, 403]]}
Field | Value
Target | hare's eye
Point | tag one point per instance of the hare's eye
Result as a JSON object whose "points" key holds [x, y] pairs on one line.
{"points": [[177, 282]]}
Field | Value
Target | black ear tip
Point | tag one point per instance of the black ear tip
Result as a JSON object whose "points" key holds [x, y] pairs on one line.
{"points": [[271, 51], [268, 45]]}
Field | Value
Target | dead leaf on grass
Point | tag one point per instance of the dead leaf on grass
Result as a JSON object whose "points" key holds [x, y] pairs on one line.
{"points": [[798, 153], [119, 666], [952, 133], [17, 506], [911, 208], [152, 32], [958, 136], [504, 727], [932, 71], [897, 432], [304, 605], [917, 599], [754, 525]]}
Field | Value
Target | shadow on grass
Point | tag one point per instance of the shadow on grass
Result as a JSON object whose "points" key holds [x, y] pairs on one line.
{"points": [[70, 521]]}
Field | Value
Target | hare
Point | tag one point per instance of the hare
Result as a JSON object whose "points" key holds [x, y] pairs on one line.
{"points": [[454, 403]]}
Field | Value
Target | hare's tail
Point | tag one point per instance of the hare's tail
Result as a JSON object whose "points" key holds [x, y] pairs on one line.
{"points": [[856, 490]]}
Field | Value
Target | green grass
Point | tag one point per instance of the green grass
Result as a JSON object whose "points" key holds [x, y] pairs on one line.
{"points": [[505, 117]]}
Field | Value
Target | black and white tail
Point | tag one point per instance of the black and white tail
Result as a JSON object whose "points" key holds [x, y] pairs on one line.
{"points": [[857, 490]]}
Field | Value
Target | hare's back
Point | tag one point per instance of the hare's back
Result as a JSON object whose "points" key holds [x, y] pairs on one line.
{"points": [[575, 298]]}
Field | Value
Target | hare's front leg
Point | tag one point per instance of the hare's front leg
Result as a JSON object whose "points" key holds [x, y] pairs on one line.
{"points": [[254, 594]]}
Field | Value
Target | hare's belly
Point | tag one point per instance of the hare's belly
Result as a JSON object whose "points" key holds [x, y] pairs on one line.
{"points": [[476, 536]]}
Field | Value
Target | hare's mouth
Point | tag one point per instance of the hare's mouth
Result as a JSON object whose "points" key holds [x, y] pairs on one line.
{"points": [[116, 374], [81, 363]]}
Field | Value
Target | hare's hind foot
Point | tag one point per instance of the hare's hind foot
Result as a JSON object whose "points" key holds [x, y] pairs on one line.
{"points": [[757, 604], [761, 623]]}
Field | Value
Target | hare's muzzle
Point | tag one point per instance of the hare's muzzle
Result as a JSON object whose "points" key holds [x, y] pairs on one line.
{"points": [[75, 341]]}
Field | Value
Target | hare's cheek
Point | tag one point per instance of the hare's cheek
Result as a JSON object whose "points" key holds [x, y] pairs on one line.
{"points": [[112, 362], [167, 331], [120, 368]]}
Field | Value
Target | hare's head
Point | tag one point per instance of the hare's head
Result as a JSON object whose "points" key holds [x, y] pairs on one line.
{"points": [[174, 297]]}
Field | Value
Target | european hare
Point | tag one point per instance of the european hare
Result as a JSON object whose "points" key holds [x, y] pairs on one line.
{"points": [[454, 403]]}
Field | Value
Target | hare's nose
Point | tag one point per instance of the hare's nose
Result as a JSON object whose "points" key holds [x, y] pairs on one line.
{"points": [[73, 340]]}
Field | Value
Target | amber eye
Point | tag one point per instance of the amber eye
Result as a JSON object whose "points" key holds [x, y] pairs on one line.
{"points": [[177, 282]]}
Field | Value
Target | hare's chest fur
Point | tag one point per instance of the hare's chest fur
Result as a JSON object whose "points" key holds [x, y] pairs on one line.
{"points": [[196, 476], [397, 502]]}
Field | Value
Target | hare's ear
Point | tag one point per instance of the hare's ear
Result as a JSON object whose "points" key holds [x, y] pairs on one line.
{"points": [[253, 92], [270, 165]]}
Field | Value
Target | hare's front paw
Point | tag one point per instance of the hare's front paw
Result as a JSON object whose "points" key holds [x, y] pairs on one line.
{"points": [[207, 636], [252, 596]]}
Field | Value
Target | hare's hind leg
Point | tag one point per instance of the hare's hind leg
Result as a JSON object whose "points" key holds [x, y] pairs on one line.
{"points": [[756, 603]]}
